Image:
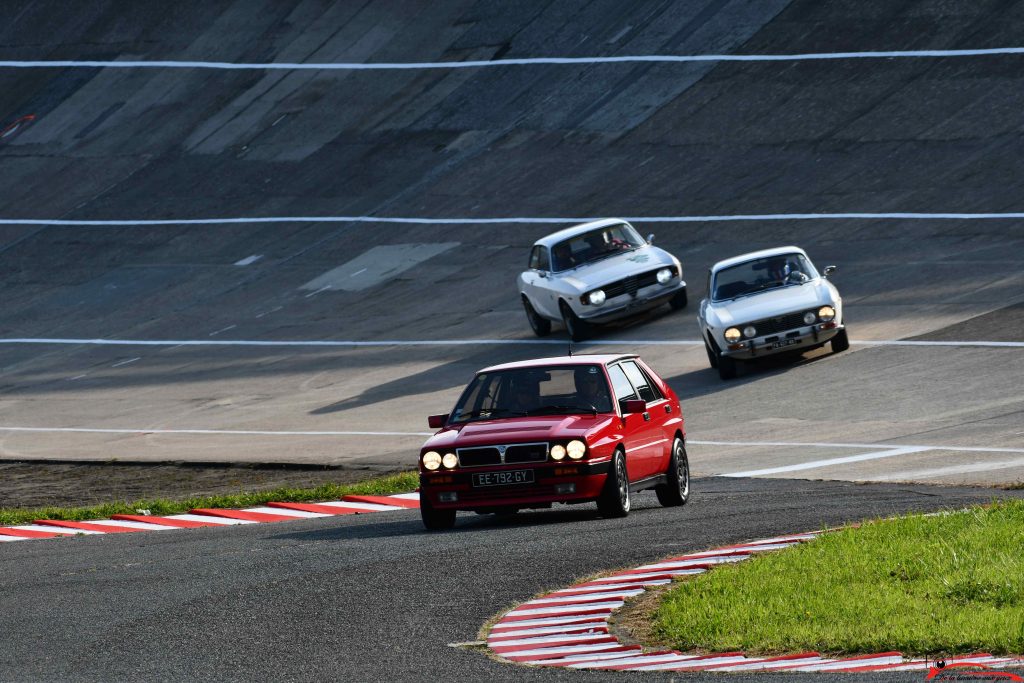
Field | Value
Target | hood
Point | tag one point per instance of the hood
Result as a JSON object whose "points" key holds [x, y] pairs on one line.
{"points": [[517, 430], [772, 302], [616, 267]]}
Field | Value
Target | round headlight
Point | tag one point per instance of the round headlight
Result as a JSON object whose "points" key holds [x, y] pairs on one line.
{"points": [[732, 335], [431, 460], [597, 297], [557, 452], [809, 318], [826, 313], [449, 460], [576, 449], [664, 275], [749, 331]]}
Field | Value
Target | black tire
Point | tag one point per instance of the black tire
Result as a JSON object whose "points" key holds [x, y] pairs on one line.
{"points": [[727, 367], [840, 342], [712, 356], [677, 490], [614, 500], [540, 326], [577, 329], [434, 519], [678, 300]]}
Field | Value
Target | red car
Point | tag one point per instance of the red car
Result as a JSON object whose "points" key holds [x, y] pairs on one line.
{"points": [[555, 430]]}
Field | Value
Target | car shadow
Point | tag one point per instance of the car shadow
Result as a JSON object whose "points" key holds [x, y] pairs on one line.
{"points": [[706, 381]]}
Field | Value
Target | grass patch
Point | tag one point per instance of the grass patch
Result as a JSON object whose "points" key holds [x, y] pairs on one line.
{"points": [[948, 584], [397, 483]]}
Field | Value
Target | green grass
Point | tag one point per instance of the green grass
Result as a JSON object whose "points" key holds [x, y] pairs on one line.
{"points": [[398, 483], [948, 584]]}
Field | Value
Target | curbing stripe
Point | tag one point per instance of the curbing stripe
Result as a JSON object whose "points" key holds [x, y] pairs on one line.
{"points": [[390, 501], [139, 526], [243, 515], [21, 533], [293, 514], [4, 537], [87, 526], [54, 530], [209, 519], [316, 507], [598, 627], [166, 521]]}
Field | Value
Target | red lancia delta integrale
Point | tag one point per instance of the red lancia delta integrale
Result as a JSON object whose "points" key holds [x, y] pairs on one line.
{"points": [[555, 430]]}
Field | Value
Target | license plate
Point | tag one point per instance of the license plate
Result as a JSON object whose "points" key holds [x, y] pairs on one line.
{"points": [[503, 478], [784, 342]]}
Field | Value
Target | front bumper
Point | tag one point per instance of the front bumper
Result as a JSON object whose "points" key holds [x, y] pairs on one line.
{"points": [[549, 485], [800, 339], [626, 305]]}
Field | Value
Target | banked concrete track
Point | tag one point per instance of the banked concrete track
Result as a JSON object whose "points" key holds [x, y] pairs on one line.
{"points": [[920, 135]]}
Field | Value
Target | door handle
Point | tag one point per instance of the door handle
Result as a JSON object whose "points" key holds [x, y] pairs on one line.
{"points": [[668, 408], [647, 417]]}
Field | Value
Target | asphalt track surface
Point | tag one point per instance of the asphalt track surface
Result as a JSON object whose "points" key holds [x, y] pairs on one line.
{"points": [[374, 598]]}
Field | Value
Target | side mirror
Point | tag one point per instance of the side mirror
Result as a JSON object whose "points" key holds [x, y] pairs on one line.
{"points": [[650, 238], [542, 273], [437, 421], [634, 405], [830, 269]]}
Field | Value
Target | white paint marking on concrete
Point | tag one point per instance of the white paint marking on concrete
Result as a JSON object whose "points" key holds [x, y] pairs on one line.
{"points": [[329, 343], [211, 519], [283, 512], [72, 379], [891, 453], [514, 61], [322, 289], [951, 470], [804, 444], [511, 220], [236, 432], [370, 507], [13, 538], [618, 36], [272, 310], [133, 525], [126, 362], [378, 265], [67, 531], [249, 260], [223, 329]]}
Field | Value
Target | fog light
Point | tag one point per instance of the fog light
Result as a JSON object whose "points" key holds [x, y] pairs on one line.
{"points": [[449, 460], [565, 488], [809, 318], [448, 497], [749, 331]]}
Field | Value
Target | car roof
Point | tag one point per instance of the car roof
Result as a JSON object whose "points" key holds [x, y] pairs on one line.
{"points": [[743, 258], [584, 359], [556, 237]]}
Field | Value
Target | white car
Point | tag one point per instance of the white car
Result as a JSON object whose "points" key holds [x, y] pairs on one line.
{"points": [[768, 302], [595, 273]]}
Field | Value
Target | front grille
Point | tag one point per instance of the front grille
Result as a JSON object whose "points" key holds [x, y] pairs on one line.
{"points": [[479, 457], [482, 456], [780, 323], [632, 284], [531, 452]]}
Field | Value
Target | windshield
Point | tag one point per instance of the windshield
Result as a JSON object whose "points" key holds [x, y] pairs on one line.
{"points": [[594, 246], [554, 390], [763, 273]]}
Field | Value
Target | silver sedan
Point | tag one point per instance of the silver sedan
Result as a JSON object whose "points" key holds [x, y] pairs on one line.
{"points": [[595, 273]]}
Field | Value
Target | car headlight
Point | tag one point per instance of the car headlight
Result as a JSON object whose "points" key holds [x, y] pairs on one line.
{"points": [[576, 449], [826, 313], [431, 460], [749, 331], [809, 318], [732, 335], [557, 452], [449, 460], [664, 275], [596, 297]]}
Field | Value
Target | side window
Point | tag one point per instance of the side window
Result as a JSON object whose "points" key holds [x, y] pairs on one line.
{"points": [[539, 258], [620, 384], [646, 388]]}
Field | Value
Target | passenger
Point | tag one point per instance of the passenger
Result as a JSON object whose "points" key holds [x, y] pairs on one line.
{"points": [[592, 389]]}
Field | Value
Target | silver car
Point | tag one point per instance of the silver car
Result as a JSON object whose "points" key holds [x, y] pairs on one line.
{"points": [[768, 302], [595, 273]]}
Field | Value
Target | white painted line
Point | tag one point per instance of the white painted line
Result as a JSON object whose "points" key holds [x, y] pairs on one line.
{"points": [[374, 507], [517, 61], [828, 463], [548, 621], [134, 525], [805, 444], [595, 627], [224, 521], [249, 260], [682, 662], [284, 512], [622, 578], [79, 377], [341, 343], [567, 609], [850, 663], [951, 470], [407, 496], [778, 664], [685, 564], [322, 289], [52, 529], [13, 538], [126, 362], [223, 329], [604, 588], [586, 597], [568, 650], [236, 432], [634, 659], [525, 643], [595, 657]]}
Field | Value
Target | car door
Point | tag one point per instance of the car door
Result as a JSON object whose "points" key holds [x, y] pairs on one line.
{"points": [[660, 414], [638, 433], [537, 283]]}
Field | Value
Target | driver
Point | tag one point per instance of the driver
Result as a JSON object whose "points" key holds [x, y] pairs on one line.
{"points": [[591, 388], [523, 397]]}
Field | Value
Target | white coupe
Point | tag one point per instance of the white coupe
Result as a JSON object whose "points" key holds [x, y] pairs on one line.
{"points": [[768, 302], [595, 273]]}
